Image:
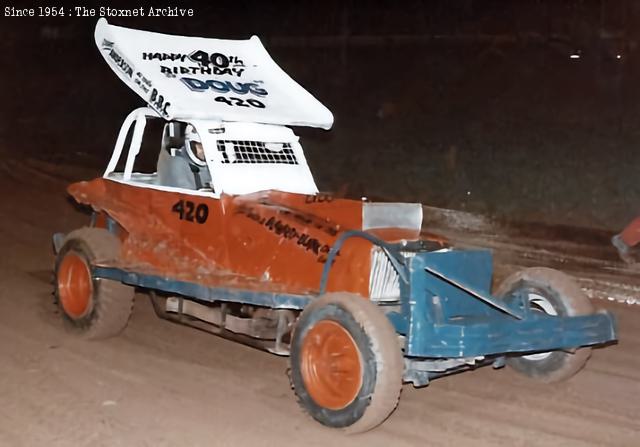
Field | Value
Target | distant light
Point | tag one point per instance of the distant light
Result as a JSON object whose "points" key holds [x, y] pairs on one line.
{"points": [[574, 56], [618, 56]]}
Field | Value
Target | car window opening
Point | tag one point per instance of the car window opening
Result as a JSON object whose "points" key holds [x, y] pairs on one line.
{"points": [[181, 163]]}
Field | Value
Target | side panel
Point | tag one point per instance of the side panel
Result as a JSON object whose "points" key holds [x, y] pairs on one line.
{"points": [[281, 238], [266, 241]]}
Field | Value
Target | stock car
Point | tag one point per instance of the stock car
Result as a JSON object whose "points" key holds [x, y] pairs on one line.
{"points": [[230, 234]]}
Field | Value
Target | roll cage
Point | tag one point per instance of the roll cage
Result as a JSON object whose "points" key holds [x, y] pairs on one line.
{"points": [[241, 157]]}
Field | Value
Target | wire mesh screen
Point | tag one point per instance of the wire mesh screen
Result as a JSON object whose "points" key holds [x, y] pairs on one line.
{"points": [[256, 152]]}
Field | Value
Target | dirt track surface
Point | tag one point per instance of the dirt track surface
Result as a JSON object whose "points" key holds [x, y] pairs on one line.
{"points": [[160, 384]]}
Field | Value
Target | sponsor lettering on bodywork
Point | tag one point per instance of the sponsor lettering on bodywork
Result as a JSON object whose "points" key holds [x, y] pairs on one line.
{"points": [[290, 232]]}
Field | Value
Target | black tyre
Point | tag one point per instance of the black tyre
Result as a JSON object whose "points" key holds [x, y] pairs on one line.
{"points": [[346, 363], [553, 293], [95, 308]]}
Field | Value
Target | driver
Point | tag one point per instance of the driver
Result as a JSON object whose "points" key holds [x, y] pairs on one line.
{"points": [[184, 167], [194, 147], [197, 162]]}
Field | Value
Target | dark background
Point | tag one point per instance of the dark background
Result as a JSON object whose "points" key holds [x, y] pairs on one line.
{"points": [[471, 105]]}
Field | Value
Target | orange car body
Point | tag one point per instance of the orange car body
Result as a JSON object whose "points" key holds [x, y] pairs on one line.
{"points": [[268, 241]]}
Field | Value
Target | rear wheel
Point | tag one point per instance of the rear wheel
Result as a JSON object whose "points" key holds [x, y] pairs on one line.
{"points": [[95, 308], [553, 293], [346, 363]]}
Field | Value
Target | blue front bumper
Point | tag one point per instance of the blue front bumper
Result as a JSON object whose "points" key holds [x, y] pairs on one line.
{"points": [[453, 314], [500, 335]]}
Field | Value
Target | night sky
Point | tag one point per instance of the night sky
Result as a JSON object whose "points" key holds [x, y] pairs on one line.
{"points": [[525, 109]]}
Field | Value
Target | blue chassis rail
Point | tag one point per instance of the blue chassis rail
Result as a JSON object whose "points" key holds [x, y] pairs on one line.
{"points": [[204, 293], [445, 309]]}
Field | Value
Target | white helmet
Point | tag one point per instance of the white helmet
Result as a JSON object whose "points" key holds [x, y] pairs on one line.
{"points": [[193, 145]]}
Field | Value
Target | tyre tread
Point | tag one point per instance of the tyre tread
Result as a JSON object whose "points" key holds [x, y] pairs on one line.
{"points": [[575, 303], [384, 345]]}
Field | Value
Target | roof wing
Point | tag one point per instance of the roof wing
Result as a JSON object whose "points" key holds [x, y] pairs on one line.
{"points": [[196, 78]]}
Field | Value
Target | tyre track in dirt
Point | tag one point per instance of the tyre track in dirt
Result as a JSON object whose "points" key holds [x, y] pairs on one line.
{"points": [[585, 253]]}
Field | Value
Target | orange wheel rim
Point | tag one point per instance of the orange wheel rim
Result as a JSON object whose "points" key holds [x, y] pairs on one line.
{"points": [[331, 366], [75, 287]]}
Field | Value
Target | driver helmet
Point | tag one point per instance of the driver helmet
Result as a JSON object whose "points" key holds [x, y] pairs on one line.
{"points": [[194, 147]]}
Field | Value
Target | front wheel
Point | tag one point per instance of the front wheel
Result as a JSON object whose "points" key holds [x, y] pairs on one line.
{"points": [[346, 363], [553, 293]]}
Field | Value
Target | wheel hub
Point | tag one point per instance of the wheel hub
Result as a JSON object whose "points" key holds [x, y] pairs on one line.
{"points": [[540, 303], [75, 287], [331, 365]]}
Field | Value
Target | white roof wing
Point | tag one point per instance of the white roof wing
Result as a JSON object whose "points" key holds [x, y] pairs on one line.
{"points": [[196, 78]]}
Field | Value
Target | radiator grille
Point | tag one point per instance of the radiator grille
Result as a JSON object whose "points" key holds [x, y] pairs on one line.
{"points": [[384, 282], [256, 152]]}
